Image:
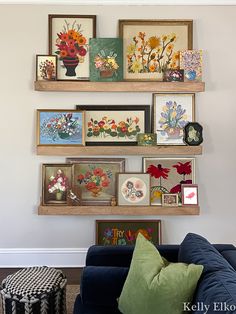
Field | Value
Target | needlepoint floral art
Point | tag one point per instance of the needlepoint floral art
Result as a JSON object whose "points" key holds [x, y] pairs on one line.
{"points": [[46, 68], [69, 39], [171, 114], [106, 63], [191, 63], [167, 176], [60, 127], [151, 47], [125, 232]]}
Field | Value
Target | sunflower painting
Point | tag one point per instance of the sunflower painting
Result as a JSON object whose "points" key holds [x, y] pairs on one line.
{"points": [[167, 175], [151, 47]]}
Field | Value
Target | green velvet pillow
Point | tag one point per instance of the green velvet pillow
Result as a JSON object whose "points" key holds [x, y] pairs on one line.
{"points": [[154, 286]]}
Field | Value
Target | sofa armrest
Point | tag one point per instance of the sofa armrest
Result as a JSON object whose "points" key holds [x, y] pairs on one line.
{"points": [[230, 256], [101, 286]]}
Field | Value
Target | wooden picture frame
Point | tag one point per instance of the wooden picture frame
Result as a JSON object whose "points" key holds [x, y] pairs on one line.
{"points": [[56, 183], [56, 127], [133, 189], [46, 67], [95, 179], [152, 46], [69, 38], [116, 124], [170, 199], [168, 127], [124, 232], [189, 194]]}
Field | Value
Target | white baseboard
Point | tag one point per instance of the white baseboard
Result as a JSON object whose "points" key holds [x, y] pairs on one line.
{"points": [[61, 257]]}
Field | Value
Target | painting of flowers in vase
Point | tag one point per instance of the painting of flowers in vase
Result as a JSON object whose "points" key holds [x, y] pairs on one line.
{"points": [[172, 112], [95, 179], [60, 127], [69, 40], [167, 175], [115, 125], [106, 63], [57, 181], [152, 46]]}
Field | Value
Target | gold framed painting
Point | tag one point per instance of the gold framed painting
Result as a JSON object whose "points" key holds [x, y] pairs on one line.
{"points": [[152, 46]]}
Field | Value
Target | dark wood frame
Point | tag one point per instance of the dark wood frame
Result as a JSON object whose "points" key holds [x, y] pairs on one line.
{"points": [[52, 16], [158, 221], [199, 128], [132, 174], [145, 108], [82, 160], [37, 57], [182, 193]]}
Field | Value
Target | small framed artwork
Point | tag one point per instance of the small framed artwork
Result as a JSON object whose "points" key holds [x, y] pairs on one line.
{"points": [[57, 182], [46, 68], [173, 75], [152, 46], [60, 127], [95, 179], [191, 63], [147, 139], [115, 125], [106, 59], [125, 232], [189, 194], [69, 39], [171, 112], [133, 189], [193, 134], [170, 199], [167, 175]]}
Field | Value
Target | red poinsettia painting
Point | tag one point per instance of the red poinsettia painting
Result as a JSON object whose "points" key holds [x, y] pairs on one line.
{"points": [[168, 174]]}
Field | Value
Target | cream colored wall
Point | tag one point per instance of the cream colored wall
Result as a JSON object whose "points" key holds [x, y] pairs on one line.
{"points": [[23, 34]]}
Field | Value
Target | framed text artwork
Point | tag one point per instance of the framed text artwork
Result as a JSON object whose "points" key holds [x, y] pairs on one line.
{"points": [[95, 179], [171, 113], [115, 125], [69, 39], [125, 232], [152, 46], [60, 127]]}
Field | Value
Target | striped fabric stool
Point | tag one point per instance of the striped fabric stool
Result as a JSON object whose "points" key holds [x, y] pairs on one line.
{"points": [[34, 290]]}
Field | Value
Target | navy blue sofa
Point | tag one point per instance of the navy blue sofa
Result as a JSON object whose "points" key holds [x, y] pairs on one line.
{"points": [[107, 267]]}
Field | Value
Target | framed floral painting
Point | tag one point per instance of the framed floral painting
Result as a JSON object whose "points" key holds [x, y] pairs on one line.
{"points": [[46, 68], [125, 232], [189, 194], [191, 63], [69, 39], [171, 113], [60, 127], [95, 179], [56, 183], [106, 59], [152, 46], [115, 125], [167, 175], [133, 189]]}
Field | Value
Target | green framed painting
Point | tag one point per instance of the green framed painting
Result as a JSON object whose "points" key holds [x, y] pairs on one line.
{"points": [[125, 232], [106, 61]]}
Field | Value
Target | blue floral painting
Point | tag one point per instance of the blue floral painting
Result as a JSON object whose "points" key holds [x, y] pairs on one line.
{"points": [[60, 127]]}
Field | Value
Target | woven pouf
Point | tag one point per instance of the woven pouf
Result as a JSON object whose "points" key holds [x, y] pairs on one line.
{"points": [[40, 290]]}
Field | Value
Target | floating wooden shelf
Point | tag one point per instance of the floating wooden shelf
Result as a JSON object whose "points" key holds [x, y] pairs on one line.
{"points": [[118, 150], [118, 210], [84, 86]]}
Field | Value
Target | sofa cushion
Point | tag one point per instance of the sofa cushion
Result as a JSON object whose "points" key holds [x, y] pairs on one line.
{"points": [[154, 287], [217, 286]]}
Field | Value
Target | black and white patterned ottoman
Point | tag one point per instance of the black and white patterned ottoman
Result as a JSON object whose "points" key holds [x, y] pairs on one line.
{"points": [[40, 290]]}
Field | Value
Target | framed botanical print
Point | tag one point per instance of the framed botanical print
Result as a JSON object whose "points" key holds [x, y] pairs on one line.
{"points": [[152, 46], [167, 175], [189, 194], [115, 125], [106, 59], [46, 68], [60, 127], [171, 112], [95, 179], [191, 63], [56, 183], [133, 189], [69, 39], [125, 232]]}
